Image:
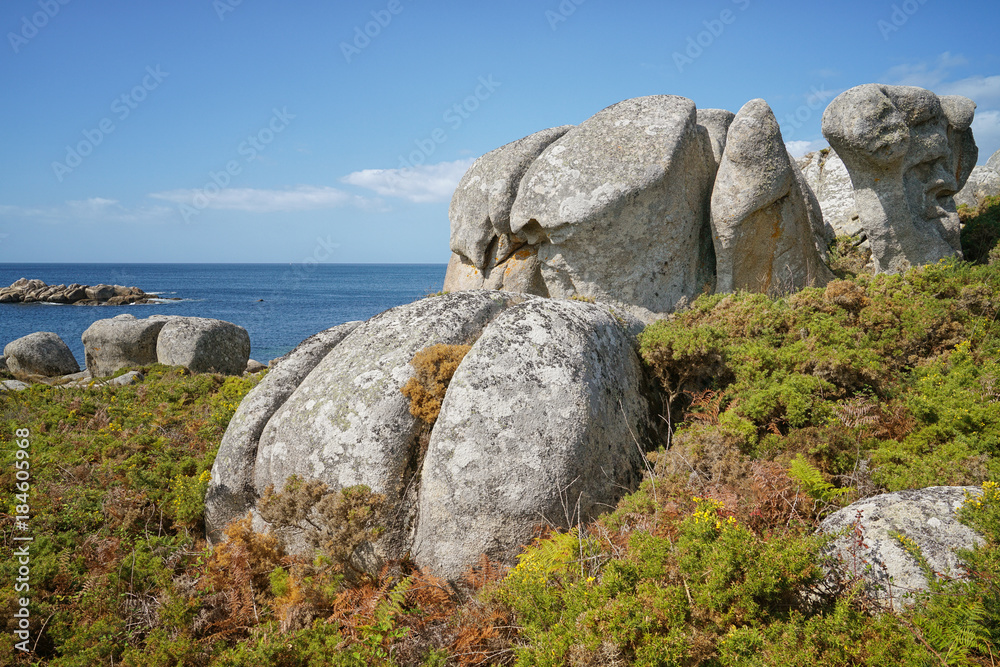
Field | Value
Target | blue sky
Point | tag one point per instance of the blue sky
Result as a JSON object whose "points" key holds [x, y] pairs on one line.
{"points": [[257, 131]]}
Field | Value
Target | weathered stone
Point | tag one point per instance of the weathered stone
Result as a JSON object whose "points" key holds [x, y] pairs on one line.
{"points": [[127, 379], [982, 183], [540, 423], [348, 423], [480, 207], [908, 153], [618, 207], [43, 353], [231, 492], [717, 122], [828, 178], [765, 223], [120, 342], [868, 547], [519, 272], [203, 345], [994, 162], [3, 363], [13, 385], [101, 292], [254, 366]]}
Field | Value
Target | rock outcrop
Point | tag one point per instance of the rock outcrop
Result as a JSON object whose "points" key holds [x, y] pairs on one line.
{"points": [[717, 122], [203, 345], [908, 152], [983, 182], [36, 291], [121, 342], [869, 545], [764, 217], [827, 176], [231, 493], [43, 353], [541, 422], [618, 207]]}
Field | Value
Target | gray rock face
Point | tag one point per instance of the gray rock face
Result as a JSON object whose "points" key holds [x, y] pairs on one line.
{"points": [[925, 516], [13, 385], [120, 342], [618, 206], [231, 492], [480, 207], [519, 272], [203, 345], [908, 153], [43, 353], [543, 411], [35, 291], [828, 178], [994, 162], [348, 423], [3, 363], [983, 182], [717, 122], [764, 217]]}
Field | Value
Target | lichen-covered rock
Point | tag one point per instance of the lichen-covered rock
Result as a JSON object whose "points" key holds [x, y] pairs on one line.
{"points": [[542, 422], [983, 182], [203, 345], [43, 353], [348, 423], [519, 272], [908, 152], [828, 178], [717, 122], [13, 385], [480, 207], [764, 219], [122, 341], [231, 492], [618, 206], [868, 543]]}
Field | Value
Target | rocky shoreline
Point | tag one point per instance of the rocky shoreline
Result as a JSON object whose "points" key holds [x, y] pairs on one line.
{"points": [[36, 291]]}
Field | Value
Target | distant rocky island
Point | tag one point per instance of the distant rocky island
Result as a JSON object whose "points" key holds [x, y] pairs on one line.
{"points": [[36, 291]]}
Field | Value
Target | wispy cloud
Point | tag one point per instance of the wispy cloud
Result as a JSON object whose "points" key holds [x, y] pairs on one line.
{"points": [[423, 184], [95, 209], [924, 74], [301, 198]]}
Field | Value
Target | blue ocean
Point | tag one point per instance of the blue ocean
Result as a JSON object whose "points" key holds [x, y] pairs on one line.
{"points": [[278, 304]]}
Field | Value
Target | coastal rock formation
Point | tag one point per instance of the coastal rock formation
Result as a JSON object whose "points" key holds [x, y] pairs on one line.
{"points": [[827, 176], [869, 547], [764, 222], [43, 353], [120, 342], [203, 345], [541, 422], [36, 291], [231, 493], [348, 423], [618, 207], [983, 182], [717, 122], [908, 152]]}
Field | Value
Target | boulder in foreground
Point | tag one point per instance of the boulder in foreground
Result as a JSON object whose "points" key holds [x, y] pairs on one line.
{"points": [[43, 353]]}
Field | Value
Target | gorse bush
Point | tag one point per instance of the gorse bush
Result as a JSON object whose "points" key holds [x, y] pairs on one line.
{"points": [[434, 367]]}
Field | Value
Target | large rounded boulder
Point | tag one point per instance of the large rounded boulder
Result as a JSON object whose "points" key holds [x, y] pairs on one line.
{"points": [[43, 353], [120, 342], [203, 345], [542, 422]]}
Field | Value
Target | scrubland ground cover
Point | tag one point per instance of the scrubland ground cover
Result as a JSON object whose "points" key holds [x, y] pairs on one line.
{"points": [[783, 409]]}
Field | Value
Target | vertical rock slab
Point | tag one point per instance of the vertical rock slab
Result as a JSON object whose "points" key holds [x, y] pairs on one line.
{"points": [[908, 152], [618, 206], [540, 422], [231, 492], [764, 217], [348, 423], [827, 176], [717, 122]]}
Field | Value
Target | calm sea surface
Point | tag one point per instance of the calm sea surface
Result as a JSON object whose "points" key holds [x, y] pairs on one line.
{"points": [[278, 304]]}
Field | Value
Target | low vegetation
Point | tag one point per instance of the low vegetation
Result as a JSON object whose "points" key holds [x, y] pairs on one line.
{"points": [[782, 410]]}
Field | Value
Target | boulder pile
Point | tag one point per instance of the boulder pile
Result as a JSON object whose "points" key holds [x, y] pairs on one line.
{"points": [[36, 291]]}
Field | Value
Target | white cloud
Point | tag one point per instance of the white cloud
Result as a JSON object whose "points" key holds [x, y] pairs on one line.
{"points": [[799, 148], [426, 183], [95, 209], [301, 198], [923, 74], [983, 90], [986, 129]]}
